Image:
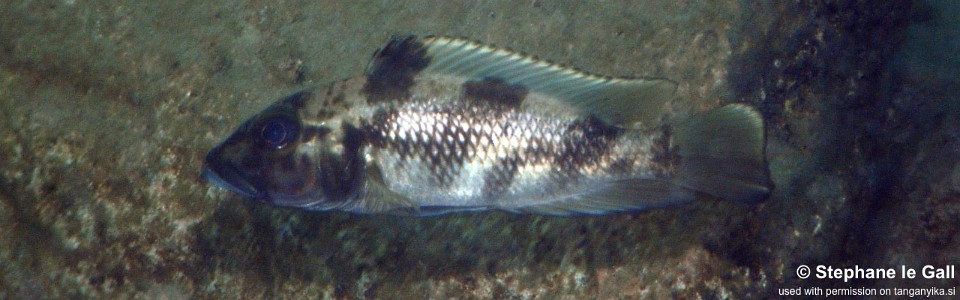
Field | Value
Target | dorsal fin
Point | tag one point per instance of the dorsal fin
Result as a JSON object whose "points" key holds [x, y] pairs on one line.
{"points": [[618, 101]]}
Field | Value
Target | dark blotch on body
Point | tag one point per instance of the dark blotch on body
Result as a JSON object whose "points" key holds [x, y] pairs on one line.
{"points": [[345, 175], [664, 159], [296, 174], [586, 143], [334, 101], [498, 180], [353, 140], [395, 66], [494, 90], [595, 129]]}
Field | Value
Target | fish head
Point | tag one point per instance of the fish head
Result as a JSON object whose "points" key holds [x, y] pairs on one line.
{"points": [[269, 157]]}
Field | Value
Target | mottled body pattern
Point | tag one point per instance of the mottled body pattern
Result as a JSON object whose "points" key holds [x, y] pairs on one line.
{"points": [[476, 155], [443, 125]]}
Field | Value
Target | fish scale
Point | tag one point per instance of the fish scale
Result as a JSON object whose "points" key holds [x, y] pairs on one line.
{"points": [[507, 142]]}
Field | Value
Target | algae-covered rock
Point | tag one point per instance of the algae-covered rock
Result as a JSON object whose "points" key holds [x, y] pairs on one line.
{"points": [[108, 109]]}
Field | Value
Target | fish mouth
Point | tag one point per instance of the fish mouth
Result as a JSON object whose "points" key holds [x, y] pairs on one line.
{"points": [[224, 174]]}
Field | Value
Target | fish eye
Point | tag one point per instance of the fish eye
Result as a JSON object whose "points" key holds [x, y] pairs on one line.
{"points": [[277, 132]]}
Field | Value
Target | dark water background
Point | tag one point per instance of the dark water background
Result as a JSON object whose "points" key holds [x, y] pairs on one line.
{"points": [[109, 106]]}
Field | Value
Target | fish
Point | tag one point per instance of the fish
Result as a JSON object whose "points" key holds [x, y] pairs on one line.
{"points": [[439, 125]]}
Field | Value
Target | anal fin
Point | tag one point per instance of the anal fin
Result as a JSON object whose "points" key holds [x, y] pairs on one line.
{"points": [[617, 196]]}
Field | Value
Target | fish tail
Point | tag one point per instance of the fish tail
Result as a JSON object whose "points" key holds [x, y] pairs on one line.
{"points": [[722, 154]]}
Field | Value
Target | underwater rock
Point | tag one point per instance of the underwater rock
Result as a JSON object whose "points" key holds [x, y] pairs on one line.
{"points": [[108, 109]]}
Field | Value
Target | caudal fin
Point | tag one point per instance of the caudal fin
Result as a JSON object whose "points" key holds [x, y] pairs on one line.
{"points": [[722, 154]]}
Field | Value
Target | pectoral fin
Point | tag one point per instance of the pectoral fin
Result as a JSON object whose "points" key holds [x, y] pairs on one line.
{"points": [[379, 198]]}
